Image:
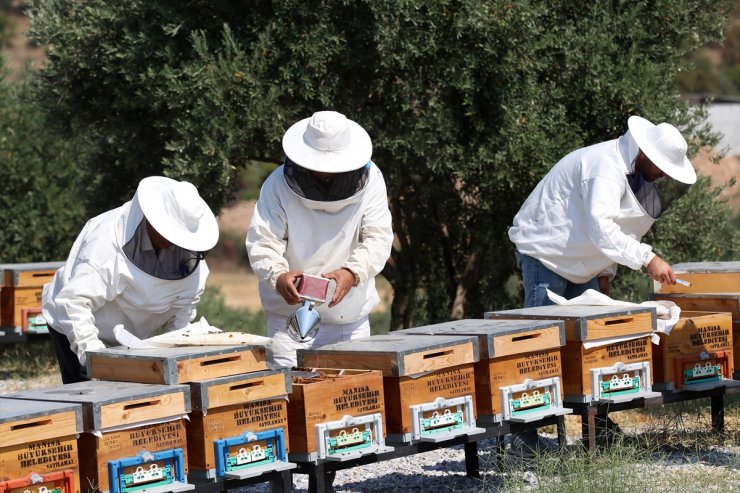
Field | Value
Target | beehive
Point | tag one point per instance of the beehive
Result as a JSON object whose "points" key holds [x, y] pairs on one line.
{"points": [[429, 383], [704, 277], [38, 446], [20, 299], [335, 413], [238, 427], [134, 434], [175, 364], [518, 377], [697, 354], [607, 354], [712, 302]]}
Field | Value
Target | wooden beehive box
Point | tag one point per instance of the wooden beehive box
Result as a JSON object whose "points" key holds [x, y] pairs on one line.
{"points": [[607, 354], [243, 414], [138, 428], [38, 446], [697, 354], [705, 277], [321, 401], [518, 376], [429, 383], [20, 299], [712, 302], [175, 364]]}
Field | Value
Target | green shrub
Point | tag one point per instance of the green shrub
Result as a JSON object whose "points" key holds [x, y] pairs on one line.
{"points": [[214, 309]]}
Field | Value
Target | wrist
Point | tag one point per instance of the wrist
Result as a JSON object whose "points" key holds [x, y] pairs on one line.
{"points": [[355, 277], [649, 258]]}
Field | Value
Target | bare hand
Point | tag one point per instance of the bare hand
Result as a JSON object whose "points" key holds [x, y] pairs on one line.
{"points": [[285, 285], [660, 271], [345, 280], [604, 284]]}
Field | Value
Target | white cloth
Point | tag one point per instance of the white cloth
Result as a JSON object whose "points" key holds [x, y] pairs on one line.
{"points": [[667, 312], [582, 218], [289, 232], [98, 288], [284, 348]]}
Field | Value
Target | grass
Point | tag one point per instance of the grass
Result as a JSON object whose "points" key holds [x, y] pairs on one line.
{"points": [[668, 448], [27, 360], [631, 465]]}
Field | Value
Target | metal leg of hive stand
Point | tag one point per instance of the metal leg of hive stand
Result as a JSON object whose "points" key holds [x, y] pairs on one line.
{"points": [[588, 429], [562, 442], [283, 483], [472, 466], [320, 480], [718, 413]]}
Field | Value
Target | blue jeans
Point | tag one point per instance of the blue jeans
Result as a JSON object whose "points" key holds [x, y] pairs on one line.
{"points": [[538, 279]]}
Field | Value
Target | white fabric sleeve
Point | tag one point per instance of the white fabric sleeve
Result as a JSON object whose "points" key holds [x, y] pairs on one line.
{"points": [[185, 309], [601, 197], [267, 238], [376, 231], [85, 292]]}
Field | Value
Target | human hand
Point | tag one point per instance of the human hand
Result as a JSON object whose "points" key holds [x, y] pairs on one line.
{"points": [[660, 271], [285, 285], [345, 280], [604, 284]]}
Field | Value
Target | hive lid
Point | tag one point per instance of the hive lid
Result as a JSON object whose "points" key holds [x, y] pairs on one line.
{"points": [[589, 322], [107, 404], [517, 336], [394, 353]]}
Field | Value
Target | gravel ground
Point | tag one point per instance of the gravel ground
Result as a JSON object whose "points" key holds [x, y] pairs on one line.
{"points": [[443, 471]]}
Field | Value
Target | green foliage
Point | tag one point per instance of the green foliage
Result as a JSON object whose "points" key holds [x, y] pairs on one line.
{"points": [[214, 309], [468, 104], [39, 205], [706, 74]]}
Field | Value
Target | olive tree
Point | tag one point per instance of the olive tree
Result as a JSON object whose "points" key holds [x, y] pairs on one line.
{"points": [[468, 103]]}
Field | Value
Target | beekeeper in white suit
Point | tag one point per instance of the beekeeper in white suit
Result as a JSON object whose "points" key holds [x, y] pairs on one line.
{"points": [[323, 212], [140, 265], [588, 215]]}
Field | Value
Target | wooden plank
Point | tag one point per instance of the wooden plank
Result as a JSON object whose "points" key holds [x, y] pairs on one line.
{"points": [[139, 410], [405, 391], [588, 322], [529, 342], [695, 334], [395, 354], [512, 369], [32, 278], [40, 457], [14, 300], [232, 421], [96, 452], [108, 404], [500, 337], [38, 428], [705, 277], [578, 361], [441, 358], [321, 395], [705, 302], [176, 364], [238, 389]]}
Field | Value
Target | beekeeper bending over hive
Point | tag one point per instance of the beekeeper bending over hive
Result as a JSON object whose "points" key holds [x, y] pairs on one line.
{"points": [[588, 215], [140, 265], [324, 212], [590, 211]]}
